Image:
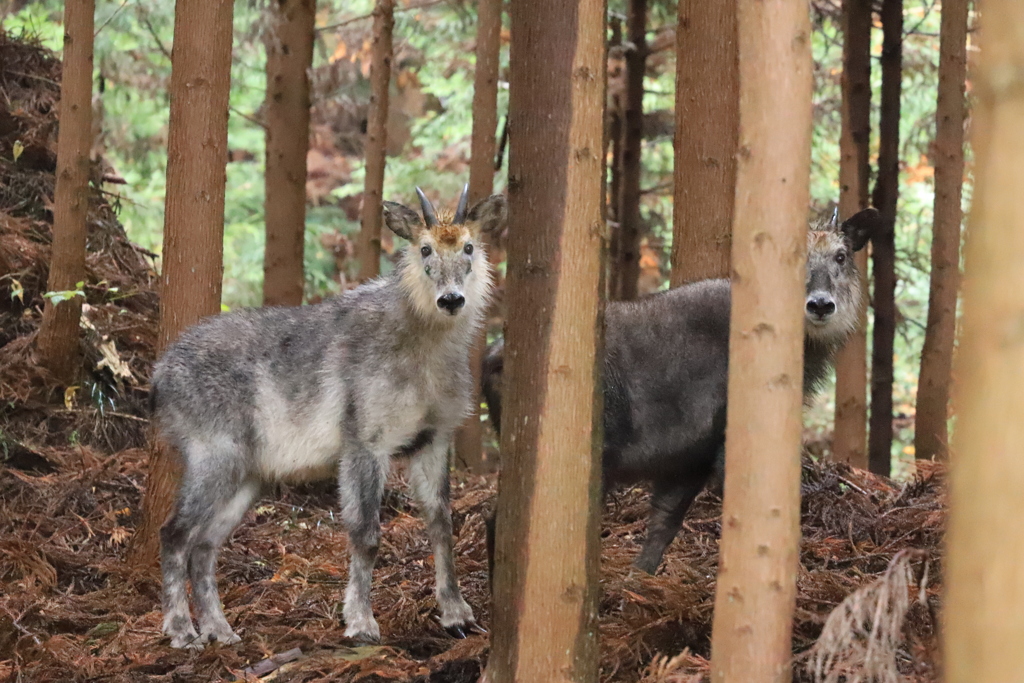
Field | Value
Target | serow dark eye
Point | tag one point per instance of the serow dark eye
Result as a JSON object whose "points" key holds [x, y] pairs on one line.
{"points": [[468, 249], [426, 251], [841, 258]]}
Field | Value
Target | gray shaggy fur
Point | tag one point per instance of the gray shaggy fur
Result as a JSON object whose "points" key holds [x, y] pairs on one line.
{"points": [[332, 389], [666, 374]]}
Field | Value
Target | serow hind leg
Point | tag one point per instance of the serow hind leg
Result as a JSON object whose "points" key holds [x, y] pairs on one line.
{"points": [[668, 507], [431, 488], [176, 538], [213, 626], [360, 488]]}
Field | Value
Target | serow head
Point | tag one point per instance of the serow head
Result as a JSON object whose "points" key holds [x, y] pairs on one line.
{"points": [[832, 307], [445, 269]]}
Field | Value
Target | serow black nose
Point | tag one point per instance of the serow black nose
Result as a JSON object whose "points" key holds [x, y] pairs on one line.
{"points": [[821, 306], [452, 302]]}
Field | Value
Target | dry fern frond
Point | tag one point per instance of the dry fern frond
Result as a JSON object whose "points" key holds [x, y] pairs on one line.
{"points": [[861, 635]]}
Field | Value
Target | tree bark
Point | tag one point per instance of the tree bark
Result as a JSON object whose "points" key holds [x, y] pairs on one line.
{"points": [[707, 127], [546, 573], [883, 245], [469, 437], [756, 593], [376, 139], [630, 228], [197, 153], [983, 624], [849, 441], [289, 55], [930, 434], [57, 340]]}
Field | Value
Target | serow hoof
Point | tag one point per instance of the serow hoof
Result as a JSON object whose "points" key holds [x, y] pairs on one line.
{"points": [[364, 638], [647, 566], [463, 630]]}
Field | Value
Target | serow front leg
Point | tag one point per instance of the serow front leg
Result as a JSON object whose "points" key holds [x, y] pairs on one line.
{"points": [[431, 488]]}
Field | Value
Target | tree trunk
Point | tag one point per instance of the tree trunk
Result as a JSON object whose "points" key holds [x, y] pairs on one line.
{"points": [[884, 244], [630, 228], [756, 593], [707, 126], [546, 573], [376, 140], [930, 435], [197, 153], [469, 437], [289, 55], [984, 624], [849, 441], [58, 334]]}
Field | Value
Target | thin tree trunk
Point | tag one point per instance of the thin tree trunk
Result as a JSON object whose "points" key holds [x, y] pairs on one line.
{"points": [[984, 623], [707, 127], [376, 139], [546, 573], [849, 441], [289, 56], [884, 244], [930, 435], [614, 170], [485, 100], [469, 437], [630, 228], [58, 334], [197, 153], [756, 593]]}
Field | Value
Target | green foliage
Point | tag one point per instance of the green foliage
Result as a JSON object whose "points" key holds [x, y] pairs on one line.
{"points": [[132, 57], [435, 43], [917, 193], [64, 295]]}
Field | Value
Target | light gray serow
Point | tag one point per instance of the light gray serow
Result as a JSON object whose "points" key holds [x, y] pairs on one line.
{"points": [[666, 373], [332, 389]]}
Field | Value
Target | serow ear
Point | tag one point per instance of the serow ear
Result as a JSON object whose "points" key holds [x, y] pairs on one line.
{"points": [[491, 214], [862, 226], [402, 220]]}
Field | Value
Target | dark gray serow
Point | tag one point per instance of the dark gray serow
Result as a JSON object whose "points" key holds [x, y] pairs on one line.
{"points": [[333, 389], [666, 374]]}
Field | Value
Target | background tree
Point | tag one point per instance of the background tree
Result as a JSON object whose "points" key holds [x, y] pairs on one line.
{"points": [[545, 582], [849, 440], [376, 139], [756, 590], [627, 267], [469, 438], [58, 334], [930, 434], [289, 56], [707, 126], [190, 281], [613, 166], [883, 254], [984, 624]]}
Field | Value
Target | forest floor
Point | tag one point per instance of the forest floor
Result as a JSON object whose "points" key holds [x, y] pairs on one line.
{"points": [[73, 608], [72, 474]]}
